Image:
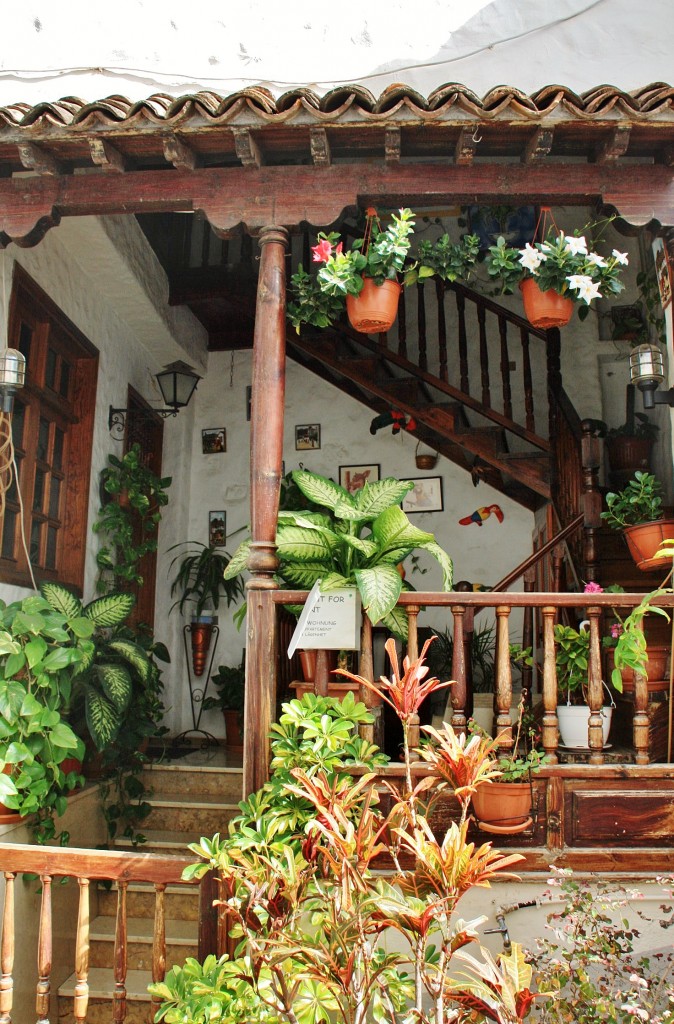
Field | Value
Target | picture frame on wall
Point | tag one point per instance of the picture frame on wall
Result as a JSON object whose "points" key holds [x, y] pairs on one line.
{"points": [[217, 529], [307, 437], [426, 496], [214, 441], [352, 478]]}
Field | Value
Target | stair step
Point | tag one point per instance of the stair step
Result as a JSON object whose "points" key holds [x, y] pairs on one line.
{"points": [[181, 941], [185, 814], [101, 986], [159, 841], [181, 902], [201, 781]]}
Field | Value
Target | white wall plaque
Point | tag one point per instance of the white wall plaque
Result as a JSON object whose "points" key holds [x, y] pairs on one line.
{"points": [[329, 621]]}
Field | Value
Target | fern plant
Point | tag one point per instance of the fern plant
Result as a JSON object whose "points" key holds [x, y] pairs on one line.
{"points": [[358, 541]]}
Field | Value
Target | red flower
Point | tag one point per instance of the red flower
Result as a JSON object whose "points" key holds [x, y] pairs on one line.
{"points": [[322, 252]]}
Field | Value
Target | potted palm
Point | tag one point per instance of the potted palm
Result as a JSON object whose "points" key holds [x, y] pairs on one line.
{"points": [[555, 273], [200, 581], [637, 511]]}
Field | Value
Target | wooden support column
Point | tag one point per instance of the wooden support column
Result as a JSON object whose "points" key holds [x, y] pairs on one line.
{"points": [[595, 689], [266, 453], [550, 724], [504, 681]]}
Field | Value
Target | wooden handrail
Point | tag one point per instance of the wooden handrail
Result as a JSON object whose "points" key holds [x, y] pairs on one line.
{"points": [[50, 862]]}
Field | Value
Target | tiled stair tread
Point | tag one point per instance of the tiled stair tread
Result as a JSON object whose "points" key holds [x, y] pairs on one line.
{"points": [[160, 837], [182, 767], [101, 982], [140, 929], [186, 800]]}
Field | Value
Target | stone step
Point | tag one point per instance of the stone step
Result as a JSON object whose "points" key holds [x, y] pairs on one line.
{"points": [[101, 986], [181, 942], [225, 784], [181, 902], [170, 841], [202, 816]]}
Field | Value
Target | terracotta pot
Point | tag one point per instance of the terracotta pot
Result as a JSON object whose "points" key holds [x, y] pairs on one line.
{"points": [[657, 670], [503, 806], [201, 633], [338, 690], [645, 539], [544, 309], [375, 308], [233, 730], [308, 663]]}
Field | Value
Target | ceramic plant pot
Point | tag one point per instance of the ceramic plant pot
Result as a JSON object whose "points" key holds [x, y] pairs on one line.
{"points": [[233, 730], [503, 806], [574, 724], [375, 308], [657, 670], [645, 539], [544, 309], [201, 633]]}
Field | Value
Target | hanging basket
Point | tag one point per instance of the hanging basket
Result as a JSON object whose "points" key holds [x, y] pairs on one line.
{"points": [[644, 539], [425, 460], [375, 308], [544, 309]]}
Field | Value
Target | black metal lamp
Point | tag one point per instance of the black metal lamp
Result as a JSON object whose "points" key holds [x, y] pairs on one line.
{"points": [[647, 371], [177, 383], [12, 376]]}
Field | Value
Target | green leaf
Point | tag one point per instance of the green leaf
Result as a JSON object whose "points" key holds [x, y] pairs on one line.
{"points": [[7, 787], [60, 658], [82, 627], [63, 736], [303, 575], [321, 490], [444, 561], [334, 581], [392, 529], [302, 544], [35, 650], [14, 664], [365, 546], [376, 497], [111, 610], [116, 683], [103, 720], [379, 588], [62, 600], [238, 562], [395, 622], [134, 655]]}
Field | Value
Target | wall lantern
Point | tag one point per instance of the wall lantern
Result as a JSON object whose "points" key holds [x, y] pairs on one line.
{"points": [[12, 376], [647, 371], [177, 383]]}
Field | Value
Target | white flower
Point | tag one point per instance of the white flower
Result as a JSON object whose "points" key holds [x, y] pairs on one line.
{"points": [[620, 257], [531, 258], [576, 245], [589, 291], [578, 281], [595, 260]]}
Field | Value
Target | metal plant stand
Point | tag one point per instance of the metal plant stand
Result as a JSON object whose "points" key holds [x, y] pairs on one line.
{"points": [[198, 693]]}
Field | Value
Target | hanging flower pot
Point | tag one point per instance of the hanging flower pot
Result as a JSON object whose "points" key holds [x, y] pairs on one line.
{"points": [[645, 539], [503, 806], [544, 309], [375, 308], [424, 460]]}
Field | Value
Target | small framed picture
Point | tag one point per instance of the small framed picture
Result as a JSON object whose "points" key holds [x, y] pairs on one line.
{"points": [[352, 478], [217, 529], [214, 440], [307, 437], [426, 496]]}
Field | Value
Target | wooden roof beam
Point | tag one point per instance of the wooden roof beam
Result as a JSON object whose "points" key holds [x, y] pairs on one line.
{"points": [[34, 158], [105, 155], [247, 149], [538, 146], [466, 144], [392, 146], [178, 153], [615, 146], [320, 147]]}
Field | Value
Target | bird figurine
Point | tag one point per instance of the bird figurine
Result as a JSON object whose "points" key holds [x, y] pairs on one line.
{"points": [[482, 513]]}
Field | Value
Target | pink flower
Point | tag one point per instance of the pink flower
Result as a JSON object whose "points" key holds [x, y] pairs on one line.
{"points": [[616, 630], [593, 588], [322, 252]]}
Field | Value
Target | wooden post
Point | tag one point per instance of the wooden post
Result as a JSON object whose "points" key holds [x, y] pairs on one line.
{"points": [[458, 690], [504, 681], [266, 454], [595, 689], [550, 724], [7, 947]]}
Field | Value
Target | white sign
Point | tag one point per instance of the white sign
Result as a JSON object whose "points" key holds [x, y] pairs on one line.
{"points": [[328, 621]]}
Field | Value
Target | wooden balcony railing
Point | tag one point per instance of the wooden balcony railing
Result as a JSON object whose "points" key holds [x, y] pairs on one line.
{"points": [[506, 606], [84, 866]]}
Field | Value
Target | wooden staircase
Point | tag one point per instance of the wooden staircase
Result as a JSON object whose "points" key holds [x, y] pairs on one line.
{"points": [[496, 429], [188, 801]]}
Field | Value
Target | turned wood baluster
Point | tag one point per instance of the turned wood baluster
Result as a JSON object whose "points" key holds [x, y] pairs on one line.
{"points": [[81, 1000], [504, 680], [595, 688], [7, 951], [640, 722], [322, 676], [158, 945], [459, 689], [366, 669], [44, 953], [442, 328], [550, 724], [527, 381], [402, 326], [421, 327], [119, 994], [413, 610], [505, 368], [464, 382], [484, 358]]}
